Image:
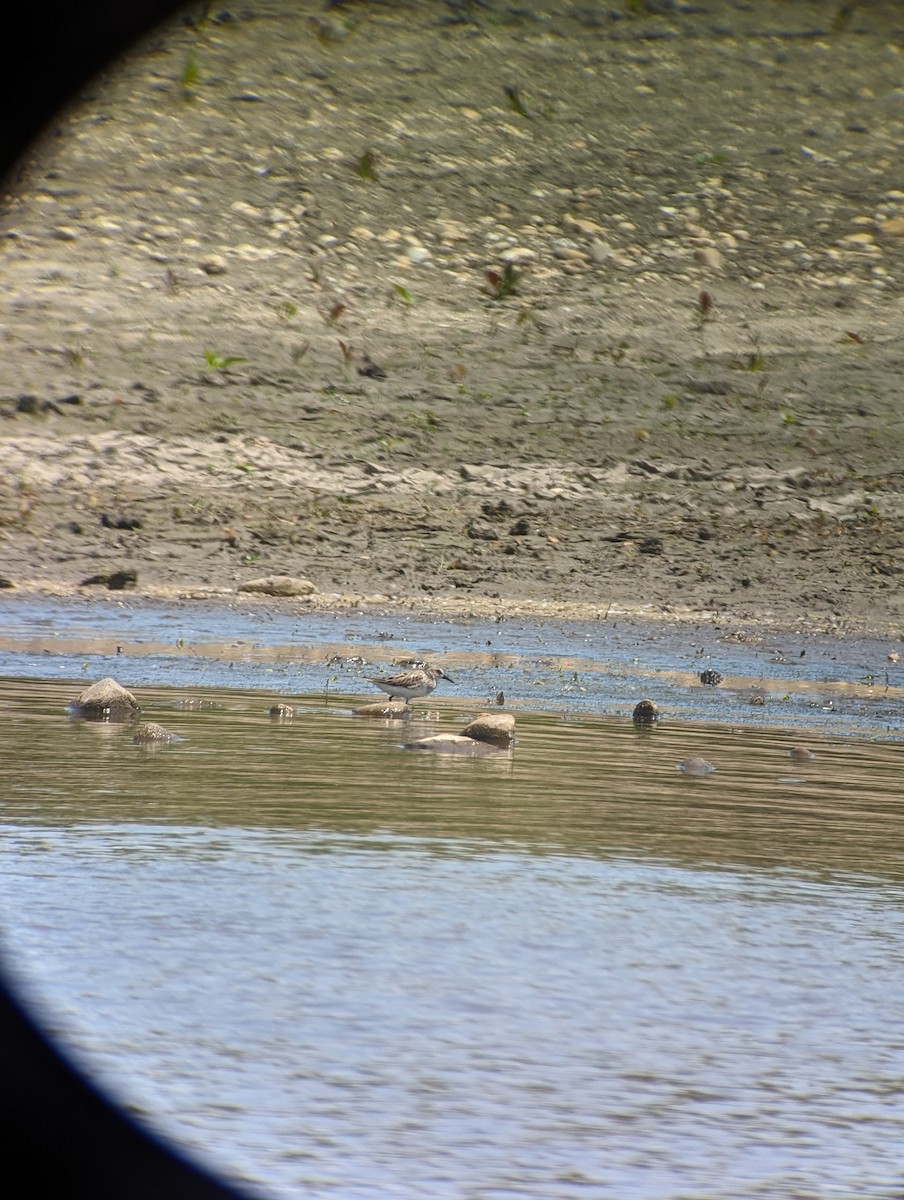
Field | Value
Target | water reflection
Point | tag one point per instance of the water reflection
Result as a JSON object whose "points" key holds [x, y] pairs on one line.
{"points": [[338, 969]]}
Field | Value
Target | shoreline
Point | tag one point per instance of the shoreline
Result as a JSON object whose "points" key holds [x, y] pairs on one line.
{"points": [[466, 607]]}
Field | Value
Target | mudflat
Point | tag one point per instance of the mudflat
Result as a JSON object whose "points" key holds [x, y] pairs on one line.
{"points": [[473, 306]]}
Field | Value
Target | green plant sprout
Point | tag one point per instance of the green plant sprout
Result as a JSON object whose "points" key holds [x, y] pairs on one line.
{"points": [[703, 311], [400, 293], [365, 166], [218, 363], [516, 102], [286, 310], [501, 284], [191, 75]]}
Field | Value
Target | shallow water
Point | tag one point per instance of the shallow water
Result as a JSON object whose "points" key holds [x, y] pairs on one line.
{"points": [[336, 969], [803, 681]]}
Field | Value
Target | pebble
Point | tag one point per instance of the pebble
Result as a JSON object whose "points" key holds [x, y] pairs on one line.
{"points": [[601, 251], [215, 264], [518, 254], [582, 224], [710, 257]]}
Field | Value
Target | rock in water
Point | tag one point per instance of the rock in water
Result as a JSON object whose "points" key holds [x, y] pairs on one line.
{"points": [[391, 710], [151, 734], [105, 700], [646, 712], [452, 743], [497, 729]]}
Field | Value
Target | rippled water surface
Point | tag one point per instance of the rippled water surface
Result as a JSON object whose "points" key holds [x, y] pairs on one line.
{"points": [[333, 968]]}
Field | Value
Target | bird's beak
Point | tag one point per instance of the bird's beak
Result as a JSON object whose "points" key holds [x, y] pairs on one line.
{"points": [[448, 677]]}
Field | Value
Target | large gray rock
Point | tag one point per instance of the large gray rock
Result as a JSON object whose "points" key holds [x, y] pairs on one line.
{"points": [[105, 700]]}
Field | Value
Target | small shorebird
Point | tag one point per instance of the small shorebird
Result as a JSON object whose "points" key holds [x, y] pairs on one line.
{"points": [[410, 684]]}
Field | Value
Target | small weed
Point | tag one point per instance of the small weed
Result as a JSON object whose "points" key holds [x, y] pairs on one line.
{"points": [[74, 355], [755, 361], [400, 295], [526, 322], [669, 401], [191, 75], [788, 417], [617, 353], [425, 419], [703, 311], [286, 310], [333, 315], [516, 102], [501, 284], [221, 363], [714, 158], [759, 394], [365, 166], [842, 17]]}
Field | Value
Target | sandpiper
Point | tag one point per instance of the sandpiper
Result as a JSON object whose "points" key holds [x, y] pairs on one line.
{"points": [[410, 684]]}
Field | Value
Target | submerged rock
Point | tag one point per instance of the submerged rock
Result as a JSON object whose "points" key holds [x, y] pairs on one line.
{"points": [[151, 734], [452, 743], [488, 733], [801, 754], [105, 700], [696, 766]]}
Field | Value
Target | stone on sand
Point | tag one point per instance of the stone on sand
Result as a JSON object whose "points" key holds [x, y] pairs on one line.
{"points": [[279, 585]]}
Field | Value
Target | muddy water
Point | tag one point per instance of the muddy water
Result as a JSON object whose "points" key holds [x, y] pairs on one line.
{"points": [[332, 968]]}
